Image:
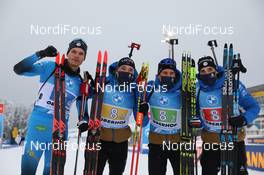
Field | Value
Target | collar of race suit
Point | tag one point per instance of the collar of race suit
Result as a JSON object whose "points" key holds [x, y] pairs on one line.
{"points": [[68, 69]]}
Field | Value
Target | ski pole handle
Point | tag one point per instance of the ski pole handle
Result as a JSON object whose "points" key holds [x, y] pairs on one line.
{"points": [[237, 65], [212, 44], [132, 46], [243, 68], [135, 45], [173, 42]]}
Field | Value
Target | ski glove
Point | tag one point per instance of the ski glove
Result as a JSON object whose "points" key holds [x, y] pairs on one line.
{"points": [[82, 126], [238, 121], [143, 107], [50, 51]]}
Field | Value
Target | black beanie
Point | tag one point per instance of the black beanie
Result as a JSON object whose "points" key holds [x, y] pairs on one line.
{"points": [[126, 61], [205, 62], [79, 43], [167, 63]]}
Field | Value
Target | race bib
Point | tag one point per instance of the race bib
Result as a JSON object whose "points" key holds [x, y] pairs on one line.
{"points": [[114, 117], [165, 119], [212, 117], [46, 98]]}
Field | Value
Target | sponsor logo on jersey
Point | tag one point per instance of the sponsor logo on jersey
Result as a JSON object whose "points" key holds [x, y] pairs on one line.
{"points": [[211, 100], [117, 98], [163, 100], [69, 84]]}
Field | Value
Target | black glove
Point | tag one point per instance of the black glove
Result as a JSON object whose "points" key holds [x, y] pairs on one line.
{"points": [[238, 121], [238, 66], [82, 126], [50, 51], [143, 107]]}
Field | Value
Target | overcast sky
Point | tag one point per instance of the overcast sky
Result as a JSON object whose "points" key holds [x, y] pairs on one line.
{"points": [[116, 23]]}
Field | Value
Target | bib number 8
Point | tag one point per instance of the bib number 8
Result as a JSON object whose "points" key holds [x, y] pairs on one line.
{"points": [[113, 113], [215, 115], [163, 115]]}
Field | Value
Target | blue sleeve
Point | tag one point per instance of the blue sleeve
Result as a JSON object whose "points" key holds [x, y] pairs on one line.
{"points": [[29, 67], [248, 103]]}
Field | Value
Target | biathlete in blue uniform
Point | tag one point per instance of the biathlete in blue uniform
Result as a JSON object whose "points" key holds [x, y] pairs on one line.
{"points": [[209, 108], [120, 102], [165, 122], [40, 124]]}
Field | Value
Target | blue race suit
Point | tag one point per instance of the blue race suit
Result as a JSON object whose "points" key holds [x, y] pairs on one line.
{"points": [[39, 133], [165, 125], [165, 107], [209, 104], [119, 105], [209, 109]]}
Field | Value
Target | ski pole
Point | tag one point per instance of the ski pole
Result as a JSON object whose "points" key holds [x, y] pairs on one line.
{"points": [[84, 89], [173, 42], [135, 139], [142, 80], [134, 145], [139, 121]]}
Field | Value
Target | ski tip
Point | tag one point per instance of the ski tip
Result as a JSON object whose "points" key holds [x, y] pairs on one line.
{"points": [[193, 63], [225, 46], [231, 45], [148, 65], [105, 55], [62, 59], [238, 55], [189, 55], [99, 55], [58, 58]]}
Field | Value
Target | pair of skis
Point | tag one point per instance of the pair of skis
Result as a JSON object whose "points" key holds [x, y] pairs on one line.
{"points": [[226, 135], [59, 122], [142, 81], [93, 137], [232, 67], [188, 99]]}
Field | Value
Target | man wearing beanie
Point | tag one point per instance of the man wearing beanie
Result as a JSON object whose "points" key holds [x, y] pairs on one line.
{"points": [[41, 121], [118, 105], [165, 121], [209, 106]]}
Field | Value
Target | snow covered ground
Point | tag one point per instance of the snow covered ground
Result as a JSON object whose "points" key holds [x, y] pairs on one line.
{"points": [[10, 163]]}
